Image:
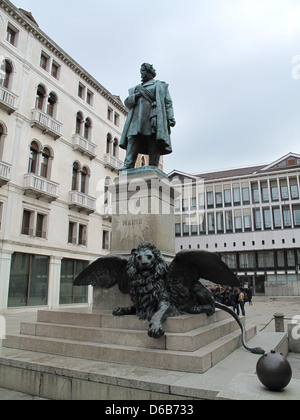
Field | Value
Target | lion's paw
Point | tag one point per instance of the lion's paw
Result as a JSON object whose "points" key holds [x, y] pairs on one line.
{"points": [[156, 331], [118, 312]]}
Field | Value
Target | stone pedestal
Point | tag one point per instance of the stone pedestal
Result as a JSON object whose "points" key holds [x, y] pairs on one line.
{"points": [[143, 211]]}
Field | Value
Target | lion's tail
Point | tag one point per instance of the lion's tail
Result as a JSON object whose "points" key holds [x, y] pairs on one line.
{"points": [[255, 350]]}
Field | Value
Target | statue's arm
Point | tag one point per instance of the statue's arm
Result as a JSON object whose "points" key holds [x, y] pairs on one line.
{"points": [[131, 101], [169, 109]]}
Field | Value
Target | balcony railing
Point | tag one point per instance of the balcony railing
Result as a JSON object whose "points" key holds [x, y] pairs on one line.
{"points": [[82, 202], [8, 100], [112, 162], [46, 123], [41, 187], [5, 175], [84, 146]]}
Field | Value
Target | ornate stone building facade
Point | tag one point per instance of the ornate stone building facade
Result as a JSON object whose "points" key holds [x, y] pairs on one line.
{"points": [[59, 134]]}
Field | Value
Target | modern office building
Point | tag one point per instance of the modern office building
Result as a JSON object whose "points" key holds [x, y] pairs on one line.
{"points": [[250, 217], [59, 134]]}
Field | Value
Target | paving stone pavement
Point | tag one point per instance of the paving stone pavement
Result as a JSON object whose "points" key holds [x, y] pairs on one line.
{"points": [[260, 313]]}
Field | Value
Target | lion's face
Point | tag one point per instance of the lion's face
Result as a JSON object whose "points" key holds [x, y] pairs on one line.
{"points": [[144, 261]]}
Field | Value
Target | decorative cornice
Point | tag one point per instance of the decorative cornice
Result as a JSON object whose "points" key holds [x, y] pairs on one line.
{"points": [[29, 25]]}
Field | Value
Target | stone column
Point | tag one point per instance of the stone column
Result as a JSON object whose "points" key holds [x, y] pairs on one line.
{"points": [[54, 282], [5, 264]]}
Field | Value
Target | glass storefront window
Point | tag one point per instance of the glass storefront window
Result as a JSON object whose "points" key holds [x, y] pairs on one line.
{"points": [[247, 260], [266, 260], [69, 271], [28, 284]]}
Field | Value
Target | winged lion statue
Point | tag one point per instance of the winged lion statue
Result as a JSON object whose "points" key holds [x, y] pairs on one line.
{"points": [[159, 290]]}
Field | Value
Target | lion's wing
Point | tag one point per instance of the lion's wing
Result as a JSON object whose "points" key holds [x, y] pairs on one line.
{"points": [[105, 272], [191, 266]]}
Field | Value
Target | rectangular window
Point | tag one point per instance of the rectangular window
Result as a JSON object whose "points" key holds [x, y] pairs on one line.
{"points": [[41, 226], [219, 199], [186, 229], [228, 221], [265, 192], [82, 235], [81, 91], [12, 35], [70, 294], [28, 284], [280, 259], [296, 215], [105, 241], [55, 70], [287, 219], [27, 223], [210, 199], [238, 221], [230, 260], [266, 260], [294, 189], [255, 192], [284, 189], [89, 97], [202, 225], [110, 114], [220, 223], [290, 257], [44, 61], [267, 219], [194, 230], [211, 223], [227, 196], [274, 191], [236, 196], [277, 218], [72, 237], [257, 219], [177, 229], [247, 260], [247, 223], [246, 195], [116, 119]]}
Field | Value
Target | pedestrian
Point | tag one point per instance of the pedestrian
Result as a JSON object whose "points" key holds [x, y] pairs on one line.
{"points": [[242, 299]]}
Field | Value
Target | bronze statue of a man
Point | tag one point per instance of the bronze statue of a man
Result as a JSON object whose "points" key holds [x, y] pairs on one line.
{"points": [[148, 126]]}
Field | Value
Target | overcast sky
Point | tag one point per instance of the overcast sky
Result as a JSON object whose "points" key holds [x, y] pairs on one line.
{"points": [[229, 65]]}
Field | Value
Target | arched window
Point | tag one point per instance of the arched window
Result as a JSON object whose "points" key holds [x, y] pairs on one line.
{"points": [[40, 94], [87, 129], [34, 150], [45, 162], [116, 148], [5, 74], [79, 121], [75, 173], [108, 142], [84, 178]]}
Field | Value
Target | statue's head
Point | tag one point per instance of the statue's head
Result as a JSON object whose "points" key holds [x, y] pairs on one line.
{"points": [[148, 72]]}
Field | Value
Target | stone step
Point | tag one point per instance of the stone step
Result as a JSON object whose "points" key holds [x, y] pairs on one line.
{"points": [[188, 341], [198, 361], [67, 378], [105, 319]]}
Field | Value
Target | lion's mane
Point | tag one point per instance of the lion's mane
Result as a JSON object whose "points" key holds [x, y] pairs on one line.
{"points": [[147, 293]]}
